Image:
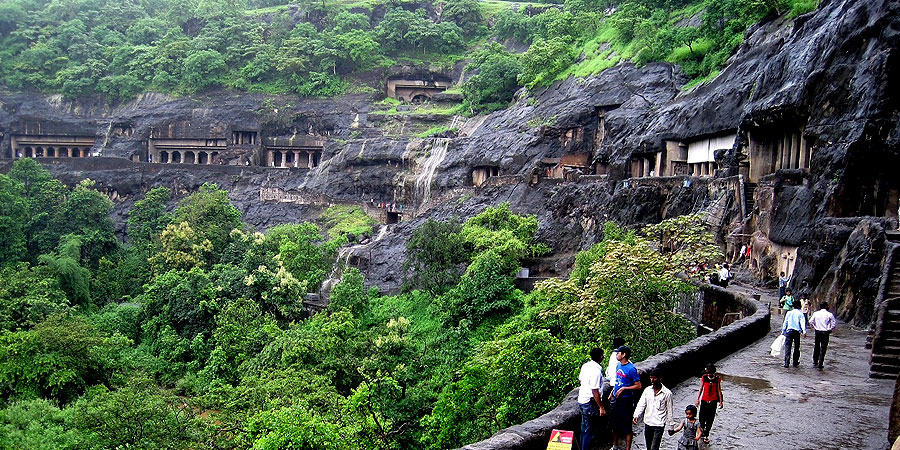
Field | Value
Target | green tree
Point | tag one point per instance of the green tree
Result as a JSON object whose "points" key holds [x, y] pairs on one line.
{"points": [[434, 254], [180, 248], [630, 285], [148, 218], [210, 214], [203, 69], [544, 60], [44, 196], [35, 425], [13, 216], [496, 80], [58, 359], [137, 415], [350, 293], [28, 295], [464, 13], [65, 265], [510, 380]]}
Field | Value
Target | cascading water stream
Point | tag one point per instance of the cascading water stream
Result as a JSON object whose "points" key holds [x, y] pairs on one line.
{"points": [[435, 158]]}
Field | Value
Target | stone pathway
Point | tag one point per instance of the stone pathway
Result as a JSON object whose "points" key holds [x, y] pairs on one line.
{"points": [[770, 407]]}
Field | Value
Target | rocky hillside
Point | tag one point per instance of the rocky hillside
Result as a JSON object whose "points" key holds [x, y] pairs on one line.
{"points": [[826, 74]]}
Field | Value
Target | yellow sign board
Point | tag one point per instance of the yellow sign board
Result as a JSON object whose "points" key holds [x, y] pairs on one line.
{"points": [[561, 440]]}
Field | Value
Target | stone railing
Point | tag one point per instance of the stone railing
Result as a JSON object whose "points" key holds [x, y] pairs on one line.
{"points": [[675, 365]]}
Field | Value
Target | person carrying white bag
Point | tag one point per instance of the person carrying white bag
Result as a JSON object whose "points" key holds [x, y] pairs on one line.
{"points": [[777, 346]]}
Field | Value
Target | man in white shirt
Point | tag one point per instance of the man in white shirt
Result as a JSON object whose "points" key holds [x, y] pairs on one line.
{"points": [[589, 400], [656, 406], [724, 276], [823, 322]]}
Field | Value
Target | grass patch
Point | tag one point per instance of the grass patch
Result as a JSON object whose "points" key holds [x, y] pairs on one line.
{"points": [[799, 7], [346, 220], [435, 131], [700, 80], [684, 53]]}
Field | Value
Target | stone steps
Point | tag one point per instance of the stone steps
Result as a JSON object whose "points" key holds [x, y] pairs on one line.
{"points": [[885, 358], [749, 190]]}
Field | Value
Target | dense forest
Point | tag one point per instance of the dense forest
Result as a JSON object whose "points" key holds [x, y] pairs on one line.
{"points": [[119, 49], [194, 334]]}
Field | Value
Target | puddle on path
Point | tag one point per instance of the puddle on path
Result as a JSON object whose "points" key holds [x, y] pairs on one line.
{"points": [[753, 384]]}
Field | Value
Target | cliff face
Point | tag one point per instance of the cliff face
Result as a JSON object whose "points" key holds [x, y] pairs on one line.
{"points": [[825, 77]]}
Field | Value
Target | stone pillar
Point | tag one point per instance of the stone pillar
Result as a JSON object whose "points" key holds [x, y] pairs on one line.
{"points": [[310, 159], [786, 151], [804, 153], [645, 170], [296, 158]]}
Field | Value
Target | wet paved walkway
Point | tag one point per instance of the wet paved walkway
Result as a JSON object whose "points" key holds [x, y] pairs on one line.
{"points": [[770, 407]]}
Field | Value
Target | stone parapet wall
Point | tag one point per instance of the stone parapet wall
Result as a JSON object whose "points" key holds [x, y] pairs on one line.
{"points": [[676, 365]]}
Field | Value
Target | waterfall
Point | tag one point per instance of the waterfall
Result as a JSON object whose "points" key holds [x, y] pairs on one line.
{"points": [[435, 158], [105, 139], [381, 233], [337, 271], [455, 123]]}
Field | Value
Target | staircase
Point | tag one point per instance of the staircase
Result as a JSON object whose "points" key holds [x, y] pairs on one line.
{"points": [[749, 190], [885, 340]]}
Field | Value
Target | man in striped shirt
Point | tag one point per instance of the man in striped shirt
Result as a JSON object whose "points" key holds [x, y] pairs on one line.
{"points": [[823, 322]]}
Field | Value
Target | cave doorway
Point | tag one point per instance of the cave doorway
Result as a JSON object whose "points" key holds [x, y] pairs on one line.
{"points": [[391, 218]]}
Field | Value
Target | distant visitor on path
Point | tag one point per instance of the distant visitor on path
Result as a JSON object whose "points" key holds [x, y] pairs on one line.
{"points": [[783, 283], [786, 302], [823, 322], [656, 407], [709, 398], [628, 382], [804, 307], [794, 325], [724, 275], [692, 432], [589, 400]]}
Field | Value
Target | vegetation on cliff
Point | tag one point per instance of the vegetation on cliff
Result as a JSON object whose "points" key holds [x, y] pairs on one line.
{"points": [[194, 335], [119, 50]]}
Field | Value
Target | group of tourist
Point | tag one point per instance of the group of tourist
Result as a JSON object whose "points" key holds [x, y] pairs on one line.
{"points": [[614, 396], [796, 322]]}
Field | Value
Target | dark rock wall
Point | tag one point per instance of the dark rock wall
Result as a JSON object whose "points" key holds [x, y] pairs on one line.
{"points": [[830, 72]]}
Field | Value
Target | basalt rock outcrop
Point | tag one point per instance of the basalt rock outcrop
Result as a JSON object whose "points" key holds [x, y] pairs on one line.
{"points": [[568, 153]]}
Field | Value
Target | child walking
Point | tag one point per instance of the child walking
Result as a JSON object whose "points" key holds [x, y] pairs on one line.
{"points": [[710, 394], [691, 436]]}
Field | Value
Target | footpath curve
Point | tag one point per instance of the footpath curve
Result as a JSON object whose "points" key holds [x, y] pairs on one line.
{"points": [[676, 365], [773, 408]]}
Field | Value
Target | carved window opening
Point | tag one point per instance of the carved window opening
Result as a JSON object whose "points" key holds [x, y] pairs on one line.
{"points": [[779, 150], [243, 137], [481, 174]]}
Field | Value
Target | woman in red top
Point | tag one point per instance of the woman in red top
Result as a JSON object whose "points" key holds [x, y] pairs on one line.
{"points": [[710, 394]]}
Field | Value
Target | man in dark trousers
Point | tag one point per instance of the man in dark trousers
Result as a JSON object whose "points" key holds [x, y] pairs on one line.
{"points": [[794, 325], [823, 322], [590, 402], [628, 385]]}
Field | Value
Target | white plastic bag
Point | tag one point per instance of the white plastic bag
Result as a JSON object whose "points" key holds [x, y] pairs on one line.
{"points": [[777, 346]]}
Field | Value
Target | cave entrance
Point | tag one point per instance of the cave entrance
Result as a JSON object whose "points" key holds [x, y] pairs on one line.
{"points": [[481, 174], [773, 150], [391, 217]]}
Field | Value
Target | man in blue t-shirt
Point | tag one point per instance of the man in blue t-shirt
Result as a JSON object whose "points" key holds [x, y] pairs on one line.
{"points": [[628, 384]]}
